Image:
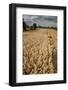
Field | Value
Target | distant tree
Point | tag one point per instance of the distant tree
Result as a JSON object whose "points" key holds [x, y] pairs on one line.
{"points": [[34, 26], [24, 25]]}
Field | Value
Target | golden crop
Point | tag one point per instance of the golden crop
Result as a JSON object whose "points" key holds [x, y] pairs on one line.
{"points": [[40, 52]]}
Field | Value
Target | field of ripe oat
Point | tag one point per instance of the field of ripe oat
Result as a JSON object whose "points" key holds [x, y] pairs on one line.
{"points": [[40, 51]]}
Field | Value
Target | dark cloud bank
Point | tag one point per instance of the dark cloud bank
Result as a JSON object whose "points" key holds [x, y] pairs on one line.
{"points": [[47, 21]]}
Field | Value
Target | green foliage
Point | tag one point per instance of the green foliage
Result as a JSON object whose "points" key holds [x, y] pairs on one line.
{"points": [[34, 26], [24, 25]]}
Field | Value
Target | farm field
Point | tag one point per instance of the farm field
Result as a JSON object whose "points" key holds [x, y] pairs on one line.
{"points": [[40, 51]]}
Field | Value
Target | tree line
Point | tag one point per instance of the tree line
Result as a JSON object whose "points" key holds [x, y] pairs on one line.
{"points": [[34, 27], [26, 27]]}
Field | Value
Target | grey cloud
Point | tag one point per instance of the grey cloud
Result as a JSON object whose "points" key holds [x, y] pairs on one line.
{"points": [[41, 20]]}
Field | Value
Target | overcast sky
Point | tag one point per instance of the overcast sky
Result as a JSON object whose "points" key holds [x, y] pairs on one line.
{"points": [[50, 21]]}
